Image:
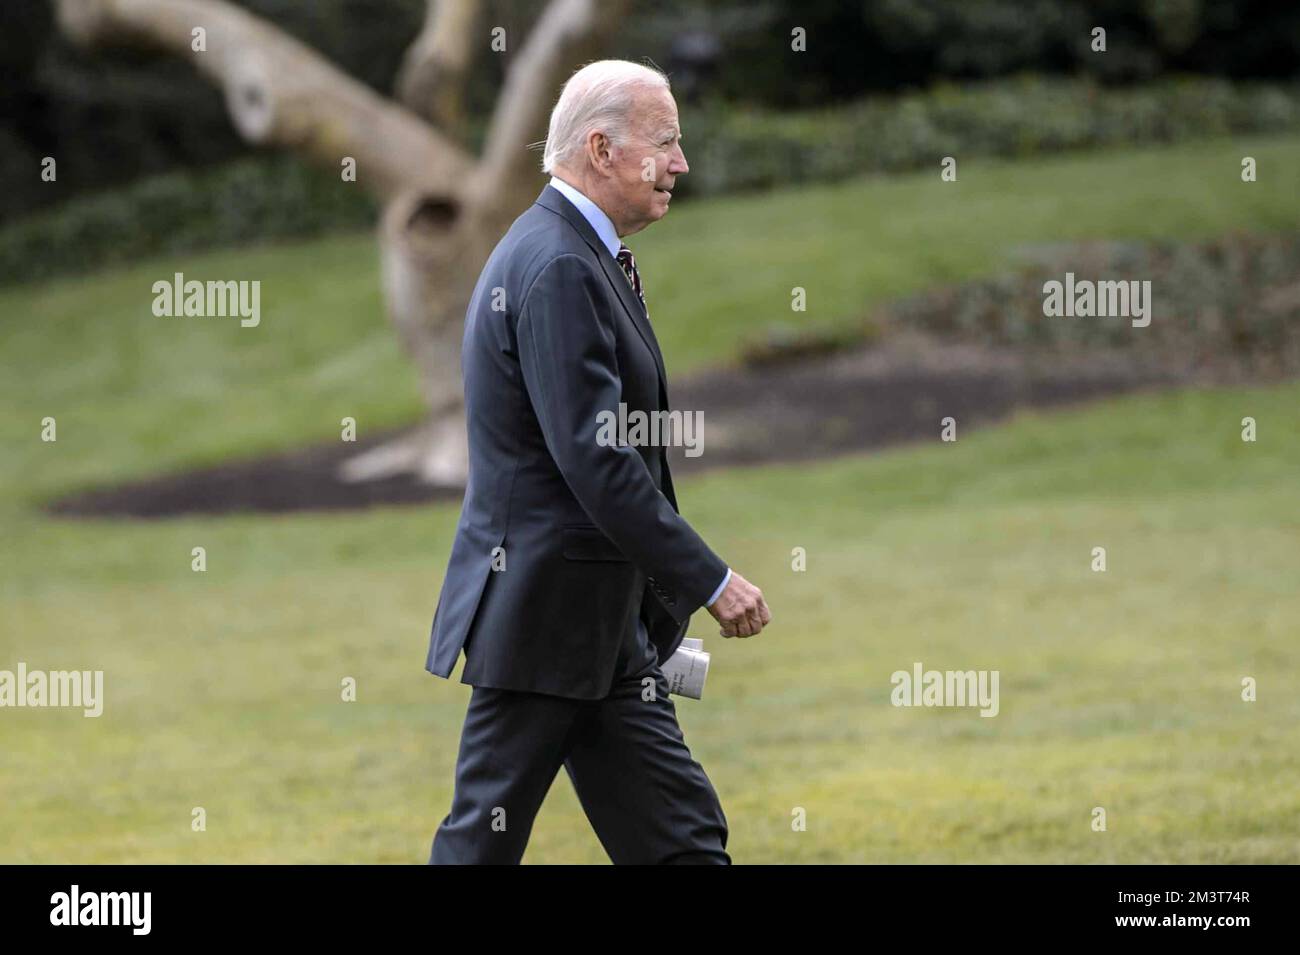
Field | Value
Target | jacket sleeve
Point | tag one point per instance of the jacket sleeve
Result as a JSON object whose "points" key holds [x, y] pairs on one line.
{"points": [[570, 370]]}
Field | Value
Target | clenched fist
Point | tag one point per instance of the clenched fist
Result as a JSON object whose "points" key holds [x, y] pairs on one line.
{"points": [[740, 608]]}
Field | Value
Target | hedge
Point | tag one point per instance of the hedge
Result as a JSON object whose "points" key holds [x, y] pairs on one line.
{"points": [[263, 197]]}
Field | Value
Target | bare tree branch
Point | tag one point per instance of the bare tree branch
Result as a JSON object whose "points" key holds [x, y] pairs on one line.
{"points": [[567, 32], [436, 67], [279, 92]]}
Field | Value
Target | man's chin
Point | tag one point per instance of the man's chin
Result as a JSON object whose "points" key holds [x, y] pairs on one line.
{"points": [[651, 216]]}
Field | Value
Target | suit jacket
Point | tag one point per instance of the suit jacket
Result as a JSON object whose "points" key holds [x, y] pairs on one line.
{"points": [[590, 535]]}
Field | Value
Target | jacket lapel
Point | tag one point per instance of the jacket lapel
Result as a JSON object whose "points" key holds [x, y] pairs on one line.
{"points": [[553, 200]]}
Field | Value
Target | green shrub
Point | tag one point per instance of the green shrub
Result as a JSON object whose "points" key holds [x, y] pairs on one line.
{"points": [[1027, 116], [262, 197], [731, 150]]}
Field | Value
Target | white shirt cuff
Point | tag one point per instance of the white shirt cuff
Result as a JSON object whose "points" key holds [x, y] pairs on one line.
{"points": [[721, 587]]}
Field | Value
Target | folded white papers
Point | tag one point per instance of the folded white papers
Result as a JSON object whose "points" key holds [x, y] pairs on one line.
{"points": [[686, 669]]}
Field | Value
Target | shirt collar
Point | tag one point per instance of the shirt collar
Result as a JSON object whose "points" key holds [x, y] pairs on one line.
{"points": [[592, 213]]}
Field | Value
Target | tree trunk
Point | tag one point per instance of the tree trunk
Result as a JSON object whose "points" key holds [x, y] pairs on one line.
{"points": [[443, 211]]}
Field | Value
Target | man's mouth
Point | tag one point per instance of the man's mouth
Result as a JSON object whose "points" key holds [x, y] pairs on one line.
{"points": [[667, 192]]}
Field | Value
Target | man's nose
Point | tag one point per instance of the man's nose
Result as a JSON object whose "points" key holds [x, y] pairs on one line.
{"points": [[677, 164]]}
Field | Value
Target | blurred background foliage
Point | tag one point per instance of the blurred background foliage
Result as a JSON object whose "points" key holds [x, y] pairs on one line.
{"points": [[271, 196], [148, 161]]}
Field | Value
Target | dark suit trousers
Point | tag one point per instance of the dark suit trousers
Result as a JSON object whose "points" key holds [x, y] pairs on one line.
{"points": [[647, 798]]}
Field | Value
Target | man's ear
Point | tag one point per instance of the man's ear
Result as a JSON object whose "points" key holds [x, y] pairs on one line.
{"points": [[600, 152]]}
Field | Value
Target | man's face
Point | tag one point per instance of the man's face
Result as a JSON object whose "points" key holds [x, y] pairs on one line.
{"points": [[647, 165]]}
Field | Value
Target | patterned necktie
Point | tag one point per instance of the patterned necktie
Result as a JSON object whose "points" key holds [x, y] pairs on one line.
{"points": [[629, 269]]}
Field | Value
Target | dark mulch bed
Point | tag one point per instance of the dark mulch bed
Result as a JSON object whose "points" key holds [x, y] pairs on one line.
{"points": [[803, 410]]}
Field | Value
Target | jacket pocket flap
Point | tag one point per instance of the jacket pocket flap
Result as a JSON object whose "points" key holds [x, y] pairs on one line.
{"points": [[589, 543]]}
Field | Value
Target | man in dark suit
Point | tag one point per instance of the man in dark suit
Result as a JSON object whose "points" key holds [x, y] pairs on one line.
{"points": [[572, 576]]}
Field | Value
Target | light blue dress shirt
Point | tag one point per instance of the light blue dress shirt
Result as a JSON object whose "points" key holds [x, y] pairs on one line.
{"points": [[608, 235]]}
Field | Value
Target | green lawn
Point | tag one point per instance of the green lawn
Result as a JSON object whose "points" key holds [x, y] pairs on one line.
{"points": [[1119, 690]]}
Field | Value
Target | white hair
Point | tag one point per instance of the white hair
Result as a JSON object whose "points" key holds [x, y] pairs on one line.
{"points": [[599, 96]]}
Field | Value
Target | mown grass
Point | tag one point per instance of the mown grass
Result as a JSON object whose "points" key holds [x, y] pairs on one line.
{"points": [[1118, 689]]}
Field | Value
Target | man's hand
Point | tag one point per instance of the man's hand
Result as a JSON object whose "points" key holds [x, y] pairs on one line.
{"points": [[740, 608]]}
